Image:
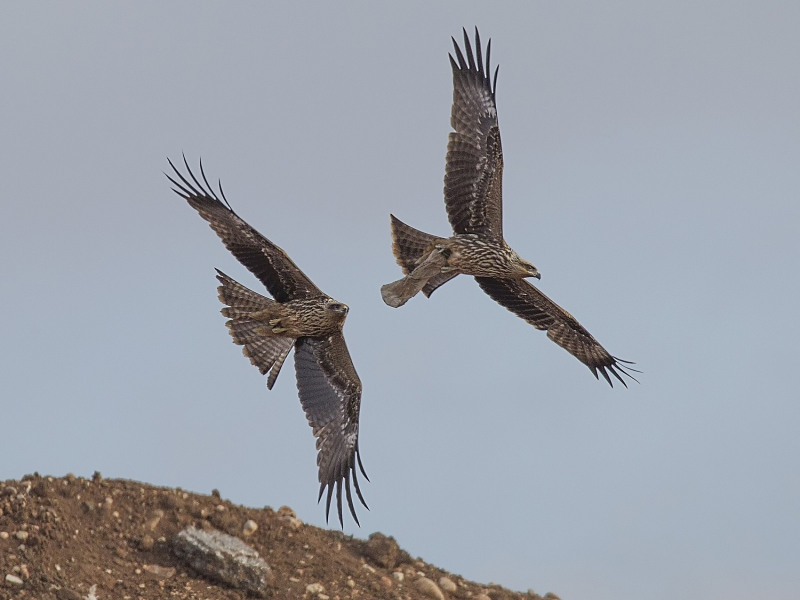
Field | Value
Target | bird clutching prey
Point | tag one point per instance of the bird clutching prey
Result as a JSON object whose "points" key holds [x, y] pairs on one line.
{"points": [[473, 195], [302, 317]]}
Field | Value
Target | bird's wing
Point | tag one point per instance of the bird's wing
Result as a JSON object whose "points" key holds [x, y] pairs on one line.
{"points": [[273, 267], [473, 180], [330, 392], [527, 302]]}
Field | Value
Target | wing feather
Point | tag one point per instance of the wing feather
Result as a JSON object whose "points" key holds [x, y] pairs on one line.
{"points": [[330, 393], [273, 267], [473, 178], [528, 303]]}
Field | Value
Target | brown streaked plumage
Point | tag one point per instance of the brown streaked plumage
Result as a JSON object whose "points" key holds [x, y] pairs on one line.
{"points": [[473, 195], [302, 317]]}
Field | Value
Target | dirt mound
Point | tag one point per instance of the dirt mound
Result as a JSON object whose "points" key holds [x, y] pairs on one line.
{"points": [[71, 538]]}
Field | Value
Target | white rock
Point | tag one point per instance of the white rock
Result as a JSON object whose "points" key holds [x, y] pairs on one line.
{"points": [[249, 528], [21, 535], [315, 588], [398, 575], [13, 579], [429, 588], [447, 584], [3, 535]]}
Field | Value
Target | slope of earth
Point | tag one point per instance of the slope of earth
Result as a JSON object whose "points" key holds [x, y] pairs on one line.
{"points": [[72, 538]]}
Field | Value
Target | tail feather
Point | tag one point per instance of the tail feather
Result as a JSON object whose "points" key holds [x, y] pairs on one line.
{"points": [[410, 246], [266, 351]]}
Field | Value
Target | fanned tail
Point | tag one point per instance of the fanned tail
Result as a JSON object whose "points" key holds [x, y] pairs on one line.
{"points": [[265, 350], [410, 246]]}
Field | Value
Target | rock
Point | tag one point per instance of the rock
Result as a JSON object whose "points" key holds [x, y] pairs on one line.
{"points": [[154, 520], [13, 579], [386, 581], [285, 511], [551, 596], [21, 535], [315, 588], [159, 571], [224, 558], [481, 597], [447, 584], [430, 589], [67, 594], [3, 535], [292, 522], [398, 575], [146, 543], [382, 550], [249, 528]]}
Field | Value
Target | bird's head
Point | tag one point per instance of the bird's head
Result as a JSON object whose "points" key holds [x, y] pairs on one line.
{"points": [[526, 269], [337, 308]]}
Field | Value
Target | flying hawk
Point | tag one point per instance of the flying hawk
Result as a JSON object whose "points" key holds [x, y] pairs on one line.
{"points": [[299, 317], [473, 194]]}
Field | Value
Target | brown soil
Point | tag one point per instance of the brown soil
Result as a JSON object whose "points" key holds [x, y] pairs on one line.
{"points": [[61, 536]]}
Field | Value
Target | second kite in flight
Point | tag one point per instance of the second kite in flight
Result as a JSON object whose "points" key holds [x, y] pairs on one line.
{"points": [[473, 195]]}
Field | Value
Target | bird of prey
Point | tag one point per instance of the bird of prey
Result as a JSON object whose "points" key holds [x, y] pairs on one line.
{"points": [[473, 195], [302, 317]]}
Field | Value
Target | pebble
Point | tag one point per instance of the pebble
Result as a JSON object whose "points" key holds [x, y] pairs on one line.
{"points": [[429, 588], [315, 588], [155, 519], [398, 575], [159, 571], [21, 535], [447, 584], [351, 583], [14, 579], [482, 597], [551, 596], [386, 581], [3, 535], [285, 511], [249, 528], [23, 570], [382, 550], [146, 543]]}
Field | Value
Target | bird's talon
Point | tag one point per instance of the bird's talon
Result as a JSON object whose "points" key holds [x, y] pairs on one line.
{"points": [[278, 329], [274, 322]]}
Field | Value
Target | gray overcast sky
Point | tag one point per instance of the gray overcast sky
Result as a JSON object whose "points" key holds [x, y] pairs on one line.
{"points": [[651, 154]]}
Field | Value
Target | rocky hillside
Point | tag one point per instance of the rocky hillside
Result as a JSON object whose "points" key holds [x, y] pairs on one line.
{"points": [[75, 539]]}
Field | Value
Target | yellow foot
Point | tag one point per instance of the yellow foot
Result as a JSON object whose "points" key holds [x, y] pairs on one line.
{"points": [[274, 322], [279, 329]]}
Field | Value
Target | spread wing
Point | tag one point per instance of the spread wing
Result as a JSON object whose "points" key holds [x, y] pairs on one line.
{"points": [[527, 302], [273, 267], [330, 392], [473, 179]]}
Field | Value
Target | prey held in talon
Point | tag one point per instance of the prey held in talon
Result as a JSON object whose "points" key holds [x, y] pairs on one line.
{"points": [[473, 195], [299, 316]]}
